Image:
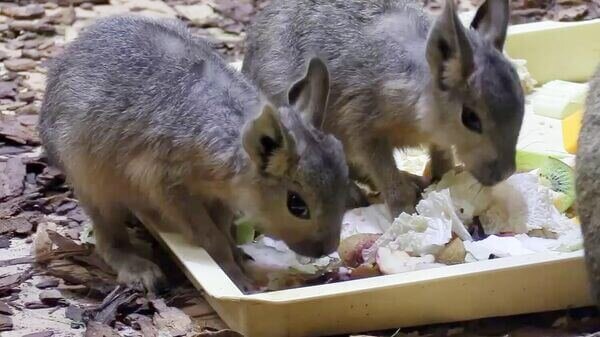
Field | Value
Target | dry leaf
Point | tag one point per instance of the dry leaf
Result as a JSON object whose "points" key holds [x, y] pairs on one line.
{"points": [[211, 321], [145, 325], [42, 245], [572, 13], [170, 319]]}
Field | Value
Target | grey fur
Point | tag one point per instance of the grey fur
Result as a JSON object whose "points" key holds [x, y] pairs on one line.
{"points": [[146, 119], [398, 79], [588, 183]]}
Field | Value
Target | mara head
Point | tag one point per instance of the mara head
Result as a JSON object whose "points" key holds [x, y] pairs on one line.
{"points": [[475, 100], [300, 176]]}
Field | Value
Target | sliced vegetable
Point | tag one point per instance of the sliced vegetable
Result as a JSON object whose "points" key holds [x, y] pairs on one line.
{"points": [[244, 232]]}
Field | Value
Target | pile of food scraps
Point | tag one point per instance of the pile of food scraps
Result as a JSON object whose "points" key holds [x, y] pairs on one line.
{"points": [[458, 220]]}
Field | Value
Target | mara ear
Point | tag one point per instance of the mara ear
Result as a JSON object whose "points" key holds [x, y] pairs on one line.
{"points": [[491, 21], [268, 143], [310, 94], [449, 52]]}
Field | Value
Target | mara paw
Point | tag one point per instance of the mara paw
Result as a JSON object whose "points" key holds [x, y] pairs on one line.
{"points": [[142, 274]]}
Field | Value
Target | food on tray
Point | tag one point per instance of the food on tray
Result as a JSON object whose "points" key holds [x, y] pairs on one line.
{"points": [[351, 248], [527, 81], [560, 178], [571, 126], [457, 221], [559, 99], [392, 261], [553, 173], [452, 253], [244, 232]]}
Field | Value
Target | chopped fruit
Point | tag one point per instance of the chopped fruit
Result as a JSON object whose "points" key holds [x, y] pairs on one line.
{"points": [[351, 248], [559, 99], [571, 126]]}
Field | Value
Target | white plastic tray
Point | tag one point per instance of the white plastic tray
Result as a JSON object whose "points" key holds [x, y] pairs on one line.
{"points": [[498, 287]]}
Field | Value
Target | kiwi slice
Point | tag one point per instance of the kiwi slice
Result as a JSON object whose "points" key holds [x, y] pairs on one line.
{"points": [[528, 160], [559, 177], [553, 173]]}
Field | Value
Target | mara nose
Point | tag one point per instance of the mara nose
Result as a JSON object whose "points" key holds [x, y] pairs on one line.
{"points": [[331, 245], [498, 171], [509, 169]]}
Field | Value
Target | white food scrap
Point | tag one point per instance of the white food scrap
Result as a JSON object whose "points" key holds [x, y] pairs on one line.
{"points": [[396, 261], [374, 219], [528, 83], [423, 233]]}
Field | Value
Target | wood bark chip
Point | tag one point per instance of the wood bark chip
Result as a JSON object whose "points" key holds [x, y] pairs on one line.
{"points": [[11, 129], [17, 261], [40, 27], [74, 313], [5, 309], [24, 12], [10, 282], [20, 64], [48, 333], [18, 225], [220, 333], [5, 323], [12, 175], [97, 329], [37, 305], [51, 297], [4, 242], [107, 311], [47, 284], [8, 90]]}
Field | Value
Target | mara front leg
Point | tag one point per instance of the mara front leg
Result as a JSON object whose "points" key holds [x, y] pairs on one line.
{"points": [[114, 245], [400, 190], [224, 218], [192, 216], [442, 161]]}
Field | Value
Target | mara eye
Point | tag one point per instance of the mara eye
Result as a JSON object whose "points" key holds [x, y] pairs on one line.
{"points": [[297, 206], [471, 120]]}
